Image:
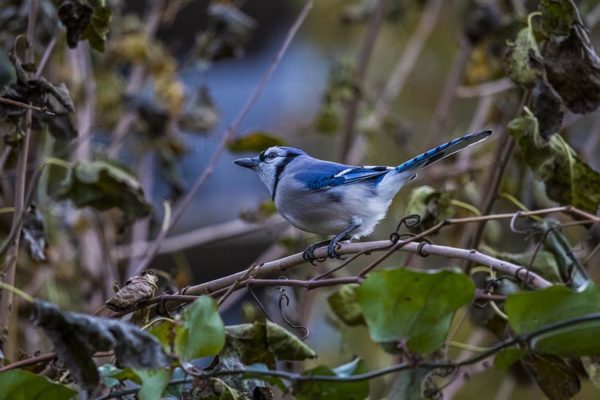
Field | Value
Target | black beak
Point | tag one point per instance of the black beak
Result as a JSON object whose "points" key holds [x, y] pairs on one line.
{"points": [[251, 163]]}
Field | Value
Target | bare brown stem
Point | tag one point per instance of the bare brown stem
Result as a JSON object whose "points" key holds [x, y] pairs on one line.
{"points": [[9, 272]]}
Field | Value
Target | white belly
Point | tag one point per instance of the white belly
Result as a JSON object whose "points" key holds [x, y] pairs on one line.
{"points": [[328, 213]]}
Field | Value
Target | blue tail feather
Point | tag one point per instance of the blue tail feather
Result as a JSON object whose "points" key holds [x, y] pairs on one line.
{"points": [[442, 151]]}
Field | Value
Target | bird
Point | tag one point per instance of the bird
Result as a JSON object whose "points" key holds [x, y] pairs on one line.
{"points": [[338, 200]]}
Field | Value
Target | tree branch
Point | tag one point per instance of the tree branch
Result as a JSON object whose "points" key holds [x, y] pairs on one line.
{"points": [[362, 63]]}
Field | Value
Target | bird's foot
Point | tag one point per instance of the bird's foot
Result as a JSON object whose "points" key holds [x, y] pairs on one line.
{"points": [[332, 251], [309, 253]]}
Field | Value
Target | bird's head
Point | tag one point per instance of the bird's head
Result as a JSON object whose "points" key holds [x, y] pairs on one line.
{"points": [[270, 163]]}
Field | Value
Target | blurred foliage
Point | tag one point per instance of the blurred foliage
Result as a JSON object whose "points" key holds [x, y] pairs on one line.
{"points": [[254, 142], [568, 179], [103, 185], [109, 99]]}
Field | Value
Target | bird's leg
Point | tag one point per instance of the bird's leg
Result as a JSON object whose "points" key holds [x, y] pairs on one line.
{"points": [[344, 235], [309, 253]]}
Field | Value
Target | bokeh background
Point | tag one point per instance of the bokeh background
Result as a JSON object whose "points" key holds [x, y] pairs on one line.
{"points": [[451, 57]]}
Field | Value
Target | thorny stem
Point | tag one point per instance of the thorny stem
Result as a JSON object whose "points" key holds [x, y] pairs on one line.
{"points": [[231, 130], [525, 339]]}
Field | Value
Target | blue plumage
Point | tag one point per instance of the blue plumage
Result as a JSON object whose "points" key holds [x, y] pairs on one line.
{"points": [[335, 199]]}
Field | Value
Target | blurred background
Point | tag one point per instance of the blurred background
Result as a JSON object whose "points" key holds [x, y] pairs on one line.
{"points": [[357, 85]]}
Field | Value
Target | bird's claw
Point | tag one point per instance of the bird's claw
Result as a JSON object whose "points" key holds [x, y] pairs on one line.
{"points": [[332, 251], [309, 255]]}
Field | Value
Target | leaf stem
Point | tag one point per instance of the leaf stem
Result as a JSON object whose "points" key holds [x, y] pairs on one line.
{"points": [[17, 291]]}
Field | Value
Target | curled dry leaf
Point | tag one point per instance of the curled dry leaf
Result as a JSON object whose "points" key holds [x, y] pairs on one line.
{"points": [[77, 337], [33, 233], [137, 289]]}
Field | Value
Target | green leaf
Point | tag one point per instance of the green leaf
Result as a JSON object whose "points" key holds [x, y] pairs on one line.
{"points": [[112, 376], [254, 142], [523, 60], [568, 179], [557, 379], [421, 303], [548, 108], [203, 332], [344, 305], [507, 357], [557, 17], [18, 384], [265, 342], [103, 185], [328, 119], [97, 30], [429, 204], [310, 390], [154, 382], [530, 311], [411, 384]]}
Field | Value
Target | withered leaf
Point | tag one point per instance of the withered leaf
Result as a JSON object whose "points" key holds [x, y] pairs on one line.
{"points": [[573, 69], [548, 108], [78, 336], [85, 22], [265, 342], [75, 16], [199, 115], [103, 185], [33, 233], [228, 31], [137, 289], [523, 61], [557, 379], [568, 179]]}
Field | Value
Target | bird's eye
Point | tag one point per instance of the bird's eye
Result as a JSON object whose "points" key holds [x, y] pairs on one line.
{"points": [[271, 156]]}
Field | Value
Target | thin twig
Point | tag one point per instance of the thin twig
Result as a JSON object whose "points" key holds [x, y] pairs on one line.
{"points": [[405, 63], [237, 283], [362, 63], [24, 105], [201, 236], [231, 130], [135, 80], [9, 272], [453, 79], [485, 89]]}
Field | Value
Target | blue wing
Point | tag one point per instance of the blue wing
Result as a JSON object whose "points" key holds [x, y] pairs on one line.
{"points": [[324, 175], [442, 151], [329, 174]]}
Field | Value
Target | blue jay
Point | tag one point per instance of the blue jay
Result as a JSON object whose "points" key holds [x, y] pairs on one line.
{"points": [[328, 198]]}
